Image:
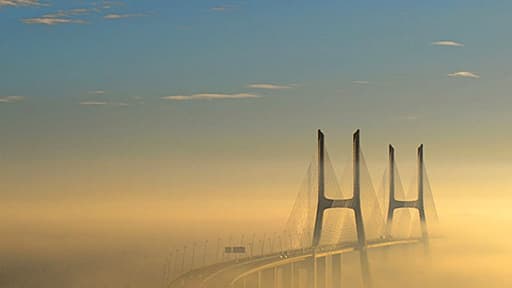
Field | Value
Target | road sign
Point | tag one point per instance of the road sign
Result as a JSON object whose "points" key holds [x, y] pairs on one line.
{"points": [[234, 250]]}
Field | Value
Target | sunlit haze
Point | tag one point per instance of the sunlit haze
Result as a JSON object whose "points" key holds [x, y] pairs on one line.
{"points": [[131, 129]]}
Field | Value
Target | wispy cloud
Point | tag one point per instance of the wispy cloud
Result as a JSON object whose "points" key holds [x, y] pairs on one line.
{"points": [[97, 92], [210, 96], [464, 74], [360, 82], [103, 103], [68, 13], [94, 103], [113, 16], [75, 15], [409, 117], [108, 4], [269, 86], [223, 8], [11, 99], [447, 43], [53, 21], [65, 16], [218, 8], [15, 3], [123, 104]]}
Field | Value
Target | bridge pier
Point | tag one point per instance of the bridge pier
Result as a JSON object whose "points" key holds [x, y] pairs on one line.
{"points": [[313, 272], [288, 276], [285, 276], [301, 275], [328, 271], [321, 272], [276, 277], [336, 271], [365, 268], [292, 275]]}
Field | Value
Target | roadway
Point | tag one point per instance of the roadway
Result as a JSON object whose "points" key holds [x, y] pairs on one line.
{"points": [[224, 274]]}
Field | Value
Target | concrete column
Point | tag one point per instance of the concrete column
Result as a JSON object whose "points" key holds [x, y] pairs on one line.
{"points": [[365, 268], [313, 273], [336, 271], [328, 271], [321, 272], [292, 275], [276, 278]]}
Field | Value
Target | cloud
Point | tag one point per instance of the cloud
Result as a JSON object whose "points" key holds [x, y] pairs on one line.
{"points": [[11, 99], [104, 103], [361, 82], [122, 16], [108, 4], [97, 92], [68, 13], [93, 103], [218, 8], [15, 3], [223, 8], [210, 96], [410, 117], [68, 16], [464, 74], [269, 86], [52, 21], [120, 104], [447, 43]]}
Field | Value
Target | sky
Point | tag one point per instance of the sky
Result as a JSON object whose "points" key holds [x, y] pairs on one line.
{"points": [[95, 95], [131, 119], [187, 100]]}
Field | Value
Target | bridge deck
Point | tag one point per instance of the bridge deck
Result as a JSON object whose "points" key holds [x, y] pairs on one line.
{"points": [[225, 274]]}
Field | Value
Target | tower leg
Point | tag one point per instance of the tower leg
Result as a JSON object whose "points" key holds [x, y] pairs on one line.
{"points": [[322, 205], [421, 202], [389, 221]]}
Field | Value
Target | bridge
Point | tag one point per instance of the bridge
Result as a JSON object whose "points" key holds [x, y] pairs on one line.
{"points": [[330, 219]]}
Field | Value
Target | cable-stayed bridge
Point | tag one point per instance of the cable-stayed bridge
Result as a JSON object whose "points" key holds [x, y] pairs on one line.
{"points": [[330, 218]]}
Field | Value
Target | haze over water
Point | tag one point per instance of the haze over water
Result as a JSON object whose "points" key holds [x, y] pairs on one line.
{"points": [[80, 251]]}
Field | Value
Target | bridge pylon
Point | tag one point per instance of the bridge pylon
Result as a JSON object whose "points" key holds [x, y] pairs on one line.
{"points": [[418, 204], [353, 203]]}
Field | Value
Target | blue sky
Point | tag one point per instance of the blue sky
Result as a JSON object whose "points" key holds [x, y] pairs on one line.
{"points": [[245, 81], [164, 47]]}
